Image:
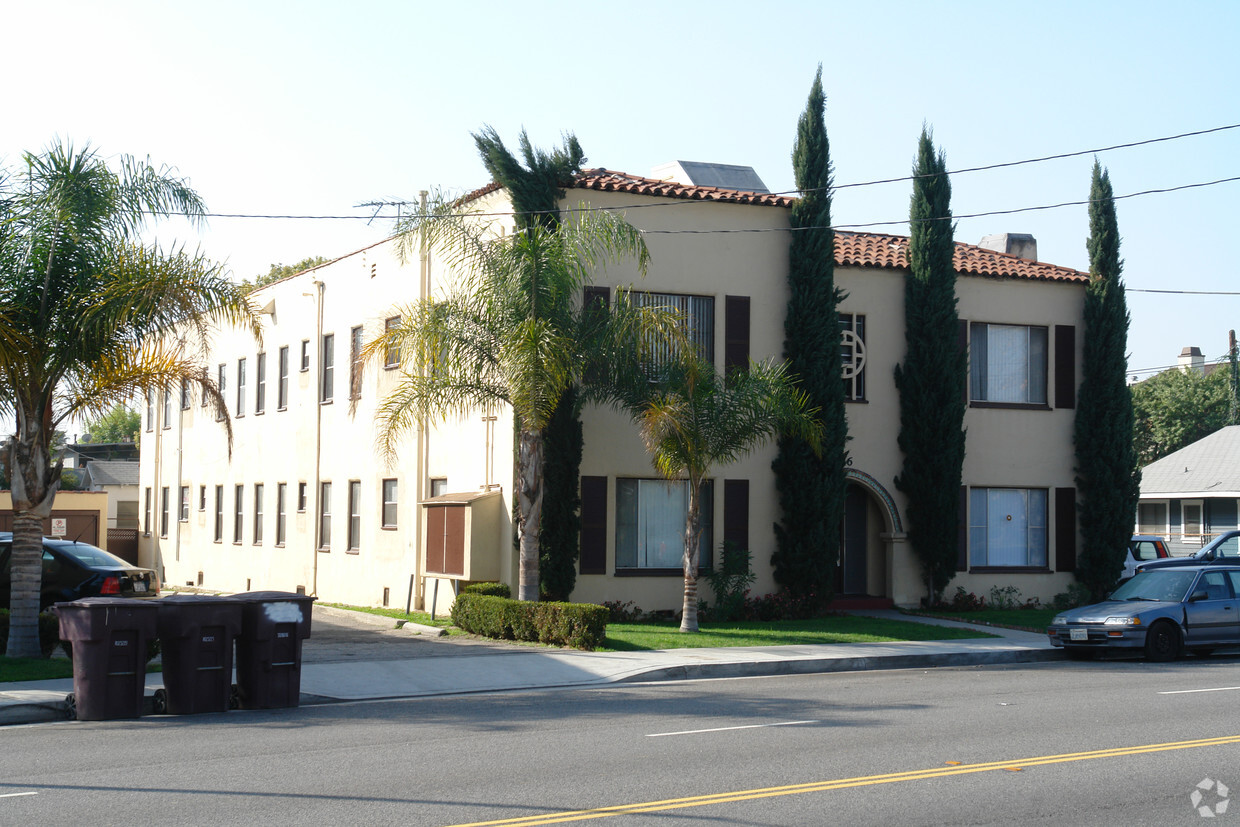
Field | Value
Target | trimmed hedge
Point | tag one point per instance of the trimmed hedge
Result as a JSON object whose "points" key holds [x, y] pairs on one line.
{"points": [[579, 625], [492, 589], [49, 632]]}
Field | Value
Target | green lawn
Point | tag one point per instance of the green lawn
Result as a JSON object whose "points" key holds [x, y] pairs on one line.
{"points": [[34, 669], [627, 637], [1035, 620]]}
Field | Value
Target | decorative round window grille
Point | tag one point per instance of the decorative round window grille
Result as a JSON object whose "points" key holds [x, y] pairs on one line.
{"points": [[852, 345]]}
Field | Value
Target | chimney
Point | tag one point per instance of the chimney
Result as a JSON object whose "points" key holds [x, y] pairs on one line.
{"points": [[1021, 245], [1191, 359]]}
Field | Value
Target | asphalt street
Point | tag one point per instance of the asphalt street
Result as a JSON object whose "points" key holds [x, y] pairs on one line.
{"points": [[1116, 742]]}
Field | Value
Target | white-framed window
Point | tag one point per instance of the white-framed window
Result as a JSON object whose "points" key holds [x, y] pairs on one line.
{"points": [[258, 513], [305, 355], [241, 387], [167, 407], [1192, 521], [301, 496], [439, 486], [1152, 518], [355, 361], [184, 504], [222, 383], [185, 395], [391, 355], [202, 498], [355, 515], [150, 411], [325, 515], [260, 383], [281, 513], [328, 372], [238, 512], [650, 524], [1007, 364], [282, 392], [852, 355], [163, 512], [390, 492], [1007, 527], [219, 514], [699, 317]]}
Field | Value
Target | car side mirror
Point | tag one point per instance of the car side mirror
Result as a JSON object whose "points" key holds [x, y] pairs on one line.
{"points": [[1209, 555], [1199, 595]]}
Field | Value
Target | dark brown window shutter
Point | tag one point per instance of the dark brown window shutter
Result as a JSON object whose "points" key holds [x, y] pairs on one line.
{"points": [[595, 301], [736, 513], [962, 339], [1065, 529], [962, 530], [593, 558], [735, 333], [1065, 366]]}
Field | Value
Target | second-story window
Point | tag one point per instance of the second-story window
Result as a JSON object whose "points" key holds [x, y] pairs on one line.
{"points": [[327, 376], [282, 391], [260, 383], [355, 362], [241, 387]]}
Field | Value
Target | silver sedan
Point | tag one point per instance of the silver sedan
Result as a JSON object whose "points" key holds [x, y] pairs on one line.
{"points": [[1164, 612]]}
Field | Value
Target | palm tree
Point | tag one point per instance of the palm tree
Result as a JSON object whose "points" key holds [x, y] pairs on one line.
{"points": [[90, 316], [692, 419], [513, 331]]}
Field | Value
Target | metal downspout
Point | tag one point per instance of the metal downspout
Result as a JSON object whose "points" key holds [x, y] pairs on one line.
{"points": [[318, 437], [423, 466]]}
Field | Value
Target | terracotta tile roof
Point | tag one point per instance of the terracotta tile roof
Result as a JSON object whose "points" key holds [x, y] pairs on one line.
{"points": [[851, 248], [606, 180], [879, 250]]}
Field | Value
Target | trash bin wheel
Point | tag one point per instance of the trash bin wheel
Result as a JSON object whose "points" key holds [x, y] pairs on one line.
{"points": [[234, 698], [159, 703], [71, 707]]}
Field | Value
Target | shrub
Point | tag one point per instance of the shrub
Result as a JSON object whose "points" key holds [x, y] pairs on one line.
{"points": [[1078, 594], [730, 581], [579, 625], [492, 589], [49, 632], [1004, 597], [622, 612], [782, 606]]}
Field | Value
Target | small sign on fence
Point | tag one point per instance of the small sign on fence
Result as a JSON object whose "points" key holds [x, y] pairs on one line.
{"points": [[60, 526]]}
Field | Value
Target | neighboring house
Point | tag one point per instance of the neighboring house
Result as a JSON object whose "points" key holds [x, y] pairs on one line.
{"points": [[1190, 496], [304, 503], [119, 478], [81, 454]]}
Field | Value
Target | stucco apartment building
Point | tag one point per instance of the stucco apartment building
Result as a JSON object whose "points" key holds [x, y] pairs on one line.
{"points": [[304, 501]]}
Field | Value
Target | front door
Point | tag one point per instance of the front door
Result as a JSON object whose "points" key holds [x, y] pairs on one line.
{"points": [[852, 575]]}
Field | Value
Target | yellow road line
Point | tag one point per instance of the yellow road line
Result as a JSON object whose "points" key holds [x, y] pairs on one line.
{"points": [[844, 783]]}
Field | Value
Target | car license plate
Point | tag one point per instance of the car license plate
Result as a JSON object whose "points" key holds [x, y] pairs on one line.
{"points": [[139, 586], [1078, 634]]}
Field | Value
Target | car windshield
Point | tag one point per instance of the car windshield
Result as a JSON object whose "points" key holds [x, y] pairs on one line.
{"points": [[1169, 585], [1225, 547], [89, 556]]}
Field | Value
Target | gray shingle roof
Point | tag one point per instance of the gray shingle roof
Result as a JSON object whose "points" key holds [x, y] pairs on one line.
{"points": [[113, 472], [1210, 467]]}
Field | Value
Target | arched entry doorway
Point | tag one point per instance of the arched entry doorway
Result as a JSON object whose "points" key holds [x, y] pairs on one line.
{"points": [[871, 523]]}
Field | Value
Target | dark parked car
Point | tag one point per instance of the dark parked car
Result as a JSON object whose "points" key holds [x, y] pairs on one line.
{"points": [[1223, 549], [1163, 611], [72, 571]]}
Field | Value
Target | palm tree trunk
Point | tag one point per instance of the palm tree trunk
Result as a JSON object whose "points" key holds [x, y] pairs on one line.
{"points": [[530, 495], [33, 494], [693, 531]]}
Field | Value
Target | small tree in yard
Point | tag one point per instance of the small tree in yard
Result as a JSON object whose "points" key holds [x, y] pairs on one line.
{"points": [[90, 317], [692, 419], [1107, 479]]}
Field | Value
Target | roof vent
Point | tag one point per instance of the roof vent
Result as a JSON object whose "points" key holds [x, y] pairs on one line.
{"points": [[1021, 245], [700, 174]]}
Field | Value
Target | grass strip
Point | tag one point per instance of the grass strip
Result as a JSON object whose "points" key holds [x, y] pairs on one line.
{"points": [[628, 637]]}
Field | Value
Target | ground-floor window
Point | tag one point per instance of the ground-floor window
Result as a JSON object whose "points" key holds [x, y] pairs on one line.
{"points": [[1152, 519], [650, 524], [1007, 527]]}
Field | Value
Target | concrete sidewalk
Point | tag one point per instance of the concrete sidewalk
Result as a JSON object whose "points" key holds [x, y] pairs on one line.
{"points": [[399, 664]]}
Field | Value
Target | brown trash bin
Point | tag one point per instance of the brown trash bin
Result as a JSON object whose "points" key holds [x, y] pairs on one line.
{"points": [[196, 633], [273, 625], [109, 637]]}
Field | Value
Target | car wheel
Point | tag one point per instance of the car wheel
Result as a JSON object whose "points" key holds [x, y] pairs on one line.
{"points": [[1162, 643]]}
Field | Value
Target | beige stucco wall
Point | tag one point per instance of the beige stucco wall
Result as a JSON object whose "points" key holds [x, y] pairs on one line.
{"points": [[96, 501]]}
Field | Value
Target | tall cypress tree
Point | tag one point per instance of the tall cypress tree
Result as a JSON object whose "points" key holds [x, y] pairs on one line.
{"points": [[1107, 478], [535, 189], [811, 484], [932, 379]]}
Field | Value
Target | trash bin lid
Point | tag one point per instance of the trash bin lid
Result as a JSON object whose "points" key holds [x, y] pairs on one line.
{"points": [[126, 602], [272, 596], [186, 598]]}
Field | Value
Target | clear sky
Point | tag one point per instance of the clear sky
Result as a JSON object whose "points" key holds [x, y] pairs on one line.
{"points": [[311, 108]]}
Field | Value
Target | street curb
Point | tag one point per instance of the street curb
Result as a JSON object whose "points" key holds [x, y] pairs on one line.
{"points": [[33, 713], [813, 666]]}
